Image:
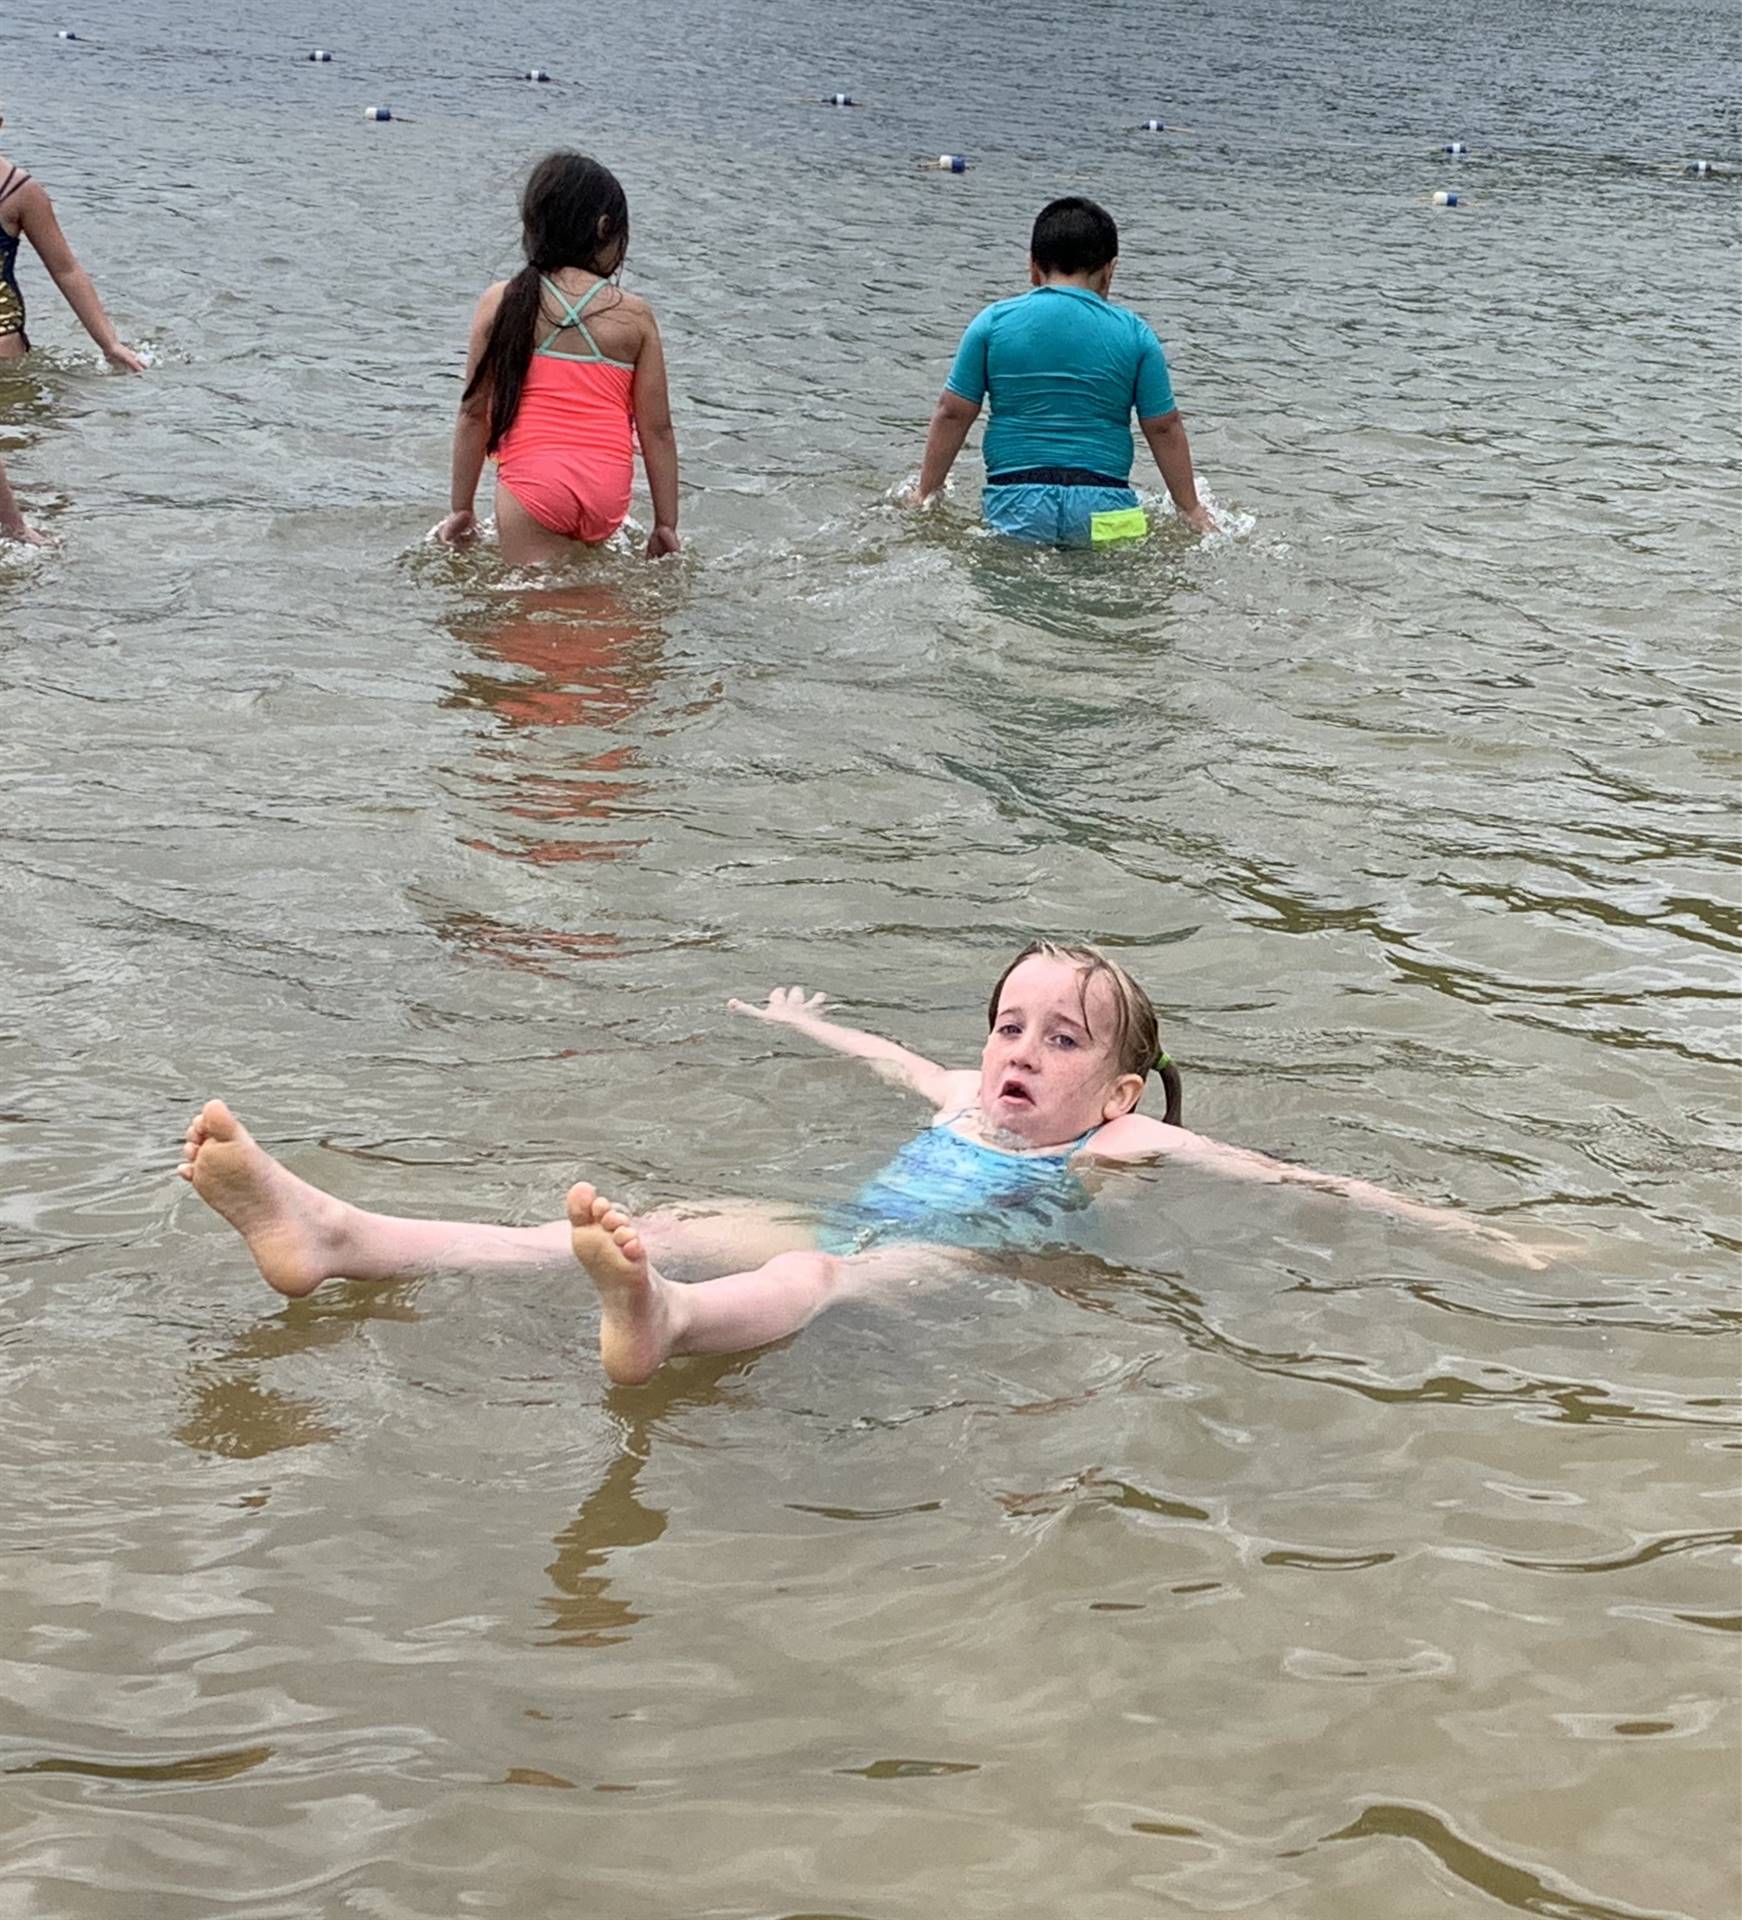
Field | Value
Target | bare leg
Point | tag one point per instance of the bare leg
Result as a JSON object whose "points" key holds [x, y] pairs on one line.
{"points": [[300, 1236], [648, 1318], [526, 542], [722, 1236]]}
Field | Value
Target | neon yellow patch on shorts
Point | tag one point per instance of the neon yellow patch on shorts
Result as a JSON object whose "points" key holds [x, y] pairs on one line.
{"points": [[1124, 523]]}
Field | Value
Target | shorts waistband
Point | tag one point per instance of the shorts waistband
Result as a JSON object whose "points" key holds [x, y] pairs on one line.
{"points": [[1054, 477]]}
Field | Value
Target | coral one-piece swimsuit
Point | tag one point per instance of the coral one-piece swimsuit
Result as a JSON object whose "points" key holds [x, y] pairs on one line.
{"points": [[569, 458]]}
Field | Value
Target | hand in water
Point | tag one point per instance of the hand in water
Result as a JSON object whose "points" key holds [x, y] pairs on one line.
{"points": [[457, 530], [787, 1006], [1511, 1252], [1200, 519], [25, 536], [123, 359], [661, 541]]}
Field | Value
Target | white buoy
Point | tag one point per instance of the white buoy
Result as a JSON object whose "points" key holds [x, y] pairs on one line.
{"points": [[65, 33], [952, 163], [1455, 148], [377, 113], [1153, 126], [839, 100], [535, 73], [1445, 199], [320, 56], [1699, 169]]}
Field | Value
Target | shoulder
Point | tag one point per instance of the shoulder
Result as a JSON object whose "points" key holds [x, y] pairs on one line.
{"points": [[1134, 1136], [28, 194], [957, 1091], [1141, 332], [998, 310], [490, 299]]}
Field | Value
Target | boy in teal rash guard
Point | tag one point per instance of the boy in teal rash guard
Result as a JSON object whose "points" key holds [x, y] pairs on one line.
{"points": [[1065, 370]]}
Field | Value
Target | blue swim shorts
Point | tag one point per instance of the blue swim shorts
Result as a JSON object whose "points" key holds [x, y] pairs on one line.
{"points": [[1058, 513]]}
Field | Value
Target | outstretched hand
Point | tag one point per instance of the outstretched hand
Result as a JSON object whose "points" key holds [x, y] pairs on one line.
{"points": [[786, 1006], [1511, 1251]]}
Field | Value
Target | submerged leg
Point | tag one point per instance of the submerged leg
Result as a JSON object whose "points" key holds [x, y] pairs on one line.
{"points": [[648, 1318]]}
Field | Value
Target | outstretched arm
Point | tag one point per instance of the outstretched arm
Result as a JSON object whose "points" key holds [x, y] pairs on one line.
{"points": [[39, 226], [1135, 1137], [793, 1007]]}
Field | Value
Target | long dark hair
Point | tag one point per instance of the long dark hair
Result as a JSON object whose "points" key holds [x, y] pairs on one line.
{"points": [[573, 213]]}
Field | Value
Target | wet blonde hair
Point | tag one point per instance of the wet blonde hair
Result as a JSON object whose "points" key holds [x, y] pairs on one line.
{"points": [[1136, 1036]]}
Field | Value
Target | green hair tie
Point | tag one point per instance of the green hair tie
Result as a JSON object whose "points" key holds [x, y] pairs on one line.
{"points": [[1163, 1060]]}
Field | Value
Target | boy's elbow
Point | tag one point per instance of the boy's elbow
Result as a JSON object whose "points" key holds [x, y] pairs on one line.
{"points": [[952, 409]]}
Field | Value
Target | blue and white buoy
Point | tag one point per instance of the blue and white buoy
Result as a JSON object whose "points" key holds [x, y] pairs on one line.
{"points": [[1445, 199], [65, 33], [535, 73], [839, 100], [952, 163], [1455, 148], [320, 56], [377, 113], [1153, 126], [1699, 169]]}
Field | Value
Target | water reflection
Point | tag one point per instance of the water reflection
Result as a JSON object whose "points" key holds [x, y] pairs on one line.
{"points": [[584, 1612], [229, 1412], [580, 655]]}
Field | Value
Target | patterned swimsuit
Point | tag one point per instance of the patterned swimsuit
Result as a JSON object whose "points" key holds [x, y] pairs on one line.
{"points": [[11, 300]]}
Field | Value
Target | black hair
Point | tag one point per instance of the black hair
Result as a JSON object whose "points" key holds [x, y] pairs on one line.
{"points": [[573, 213], [1073, 235]]}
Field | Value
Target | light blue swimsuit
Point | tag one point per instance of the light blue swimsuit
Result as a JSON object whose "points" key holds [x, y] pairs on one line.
{"points": [[951, 1191]]}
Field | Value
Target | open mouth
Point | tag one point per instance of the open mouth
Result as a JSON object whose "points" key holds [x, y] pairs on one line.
{"points": [[1014, 1093]]}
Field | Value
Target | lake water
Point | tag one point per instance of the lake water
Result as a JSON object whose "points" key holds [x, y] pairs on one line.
{"points": [[1262, 1556]]}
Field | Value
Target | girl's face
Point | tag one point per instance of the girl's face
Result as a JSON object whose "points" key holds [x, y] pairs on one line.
{"points": [[1047, 1071]]}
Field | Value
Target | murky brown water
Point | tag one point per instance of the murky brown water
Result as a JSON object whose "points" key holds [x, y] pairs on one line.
{"points": [[1262, 1557]]}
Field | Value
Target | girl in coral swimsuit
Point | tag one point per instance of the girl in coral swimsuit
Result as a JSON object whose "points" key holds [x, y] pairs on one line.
{"points": [[564, 371]]}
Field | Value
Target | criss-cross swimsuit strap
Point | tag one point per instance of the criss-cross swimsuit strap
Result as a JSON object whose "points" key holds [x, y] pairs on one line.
{"points": [[14, 182], [572, 311]]}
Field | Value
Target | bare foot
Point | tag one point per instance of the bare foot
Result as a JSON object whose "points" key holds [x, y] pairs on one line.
{"points": [[636, 1332], [294, 1231]]}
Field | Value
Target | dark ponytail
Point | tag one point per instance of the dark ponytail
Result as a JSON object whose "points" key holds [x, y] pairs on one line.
{"points": [[1170, 1085], [573, 213]]}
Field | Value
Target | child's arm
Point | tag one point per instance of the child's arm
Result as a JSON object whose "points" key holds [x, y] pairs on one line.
{"points": [[951, 418], [652, 402], [1136, 1137], [12, 523], [793, 1007], [1173, 455], [37, 222], [471, 432]]}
